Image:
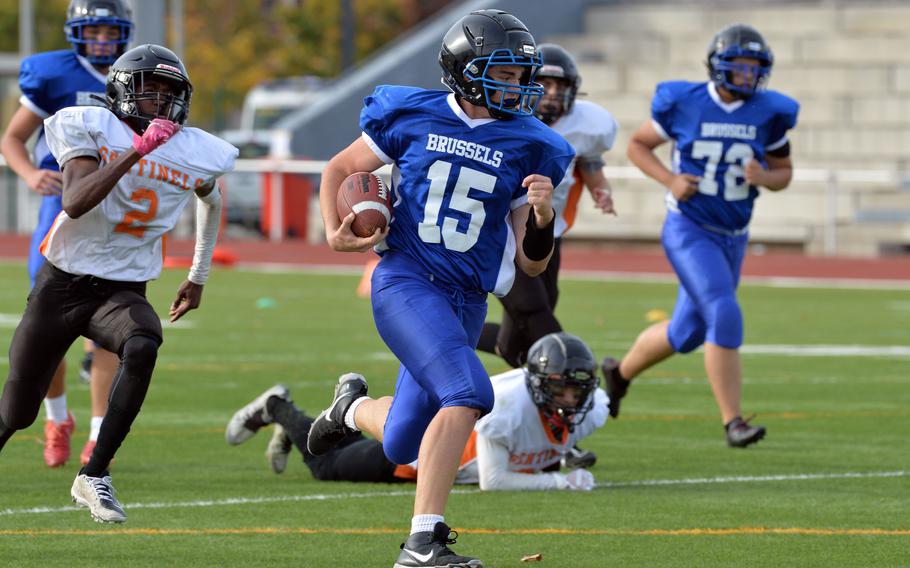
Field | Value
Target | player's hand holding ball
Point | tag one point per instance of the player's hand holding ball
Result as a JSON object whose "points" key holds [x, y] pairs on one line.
{"points": [[580, 480], [364, 207], [158, 132], [540, 197]]}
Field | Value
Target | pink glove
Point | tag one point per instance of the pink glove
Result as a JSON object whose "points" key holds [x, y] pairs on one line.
{"points": [[158, 132]]}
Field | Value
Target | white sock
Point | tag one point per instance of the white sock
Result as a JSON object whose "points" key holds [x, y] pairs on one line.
{"points": [[96, 427], [55, 408], [425, 523], [349, 415]]}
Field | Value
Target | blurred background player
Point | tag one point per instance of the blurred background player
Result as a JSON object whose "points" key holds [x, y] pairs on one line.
{"points": [[529, 307], [119, 199], [541, 410], [730, 137], [472, 196], [99, 31]]}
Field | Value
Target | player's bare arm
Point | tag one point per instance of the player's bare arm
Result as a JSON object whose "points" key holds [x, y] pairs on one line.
{"points": [[13, 147], [358, 157], [775, 177], [592, 175], [641, 153], [189, 293], [86, 183]]}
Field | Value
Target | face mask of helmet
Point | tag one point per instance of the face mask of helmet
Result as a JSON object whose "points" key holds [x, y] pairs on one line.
{"points": [[82, 15], [734, 42], [560, 66]]}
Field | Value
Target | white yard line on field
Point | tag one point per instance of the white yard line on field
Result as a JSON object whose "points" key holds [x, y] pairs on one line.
{"points": [[410, 493]]}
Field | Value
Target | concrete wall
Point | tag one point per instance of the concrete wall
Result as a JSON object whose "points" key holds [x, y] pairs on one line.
{"points": [[848, 63]]}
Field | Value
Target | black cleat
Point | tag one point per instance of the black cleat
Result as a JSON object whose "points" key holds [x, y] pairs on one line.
{"points": [[429, 550], [616, 385], [577, 458], [328, 429], [741, 434]]}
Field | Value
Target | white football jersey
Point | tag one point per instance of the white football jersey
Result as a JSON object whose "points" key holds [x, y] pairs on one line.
{"points": [[516, 423], [591, 130], [120, 239]]}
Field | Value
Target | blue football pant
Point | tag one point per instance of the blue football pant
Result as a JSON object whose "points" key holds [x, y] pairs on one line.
{"points": [[433, 330], [708, 265]]}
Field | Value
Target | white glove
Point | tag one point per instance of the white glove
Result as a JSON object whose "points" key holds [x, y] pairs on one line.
{"points": [[580, 480]]}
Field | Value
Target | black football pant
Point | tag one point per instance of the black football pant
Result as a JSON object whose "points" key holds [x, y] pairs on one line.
{"points": [[355, 458], [60, 308], [527, 313]]}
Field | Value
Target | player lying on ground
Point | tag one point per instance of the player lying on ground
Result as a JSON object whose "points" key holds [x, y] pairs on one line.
{"points": [[541, 410]]}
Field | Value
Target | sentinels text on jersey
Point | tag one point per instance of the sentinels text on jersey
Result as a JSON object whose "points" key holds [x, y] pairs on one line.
{"points": [[120, 239]]}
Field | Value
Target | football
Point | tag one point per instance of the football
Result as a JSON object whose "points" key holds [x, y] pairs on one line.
{"points": [[368, 198]]}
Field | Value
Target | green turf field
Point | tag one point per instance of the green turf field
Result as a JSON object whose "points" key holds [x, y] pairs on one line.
{"points": [[829, 486]]}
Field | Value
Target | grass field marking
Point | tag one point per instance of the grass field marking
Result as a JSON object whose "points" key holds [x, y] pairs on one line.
{"points": [[732, 531], [752, 479], [410, 493], [608, 275]]}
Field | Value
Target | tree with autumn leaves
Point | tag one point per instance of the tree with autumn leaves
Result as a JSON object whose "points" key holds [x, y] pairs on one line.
{"points": [[232, 45]]}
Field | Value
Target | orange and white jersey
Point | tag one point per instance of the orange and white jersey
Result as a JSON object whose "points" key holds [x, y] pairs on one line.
{"points": [[591, 130], [120, 239], [517, 424]]}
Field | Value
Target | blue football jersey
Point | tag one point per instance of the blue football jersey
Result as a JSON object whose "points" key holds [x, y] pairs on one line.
{"points": [[456, 180], [714, 139], [54, 80]]}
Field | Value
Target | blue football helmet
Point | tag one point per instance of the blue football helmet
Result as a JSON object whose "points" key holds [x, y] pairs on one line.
{"points": [[739, 40], [83, 13], [484, 39]]}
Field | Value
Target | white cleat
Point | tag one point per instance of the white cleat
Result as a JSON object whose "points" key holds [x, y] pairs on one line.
{"points": [[279, 449], [249, 419], [97, 493]]}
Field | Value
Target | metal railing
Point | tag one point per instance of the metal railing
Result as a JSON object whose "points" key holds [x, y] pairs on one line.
{"points": [[833, 183]]}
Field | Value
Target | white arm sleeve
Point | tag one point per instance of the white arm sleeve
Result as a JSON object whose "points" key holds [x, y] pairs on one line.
{"points": [[494, 474], [208, 220]]}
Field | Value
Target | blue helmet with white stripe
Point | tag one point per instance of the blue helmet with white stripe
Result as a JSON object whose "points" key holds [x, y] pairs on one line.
{"points": [[82, 14], [732, 42]]}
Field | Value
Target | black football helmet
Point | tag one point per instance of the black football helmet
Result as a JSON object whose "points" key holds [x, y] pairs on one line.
{"points": [[82, 13], [481, 40], [561, 360], [739, 40], [126, 86], [559, 64]]}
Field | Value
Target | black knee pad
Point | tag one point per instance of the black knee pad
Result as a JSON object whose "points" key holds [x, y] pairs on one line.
{"points": [[140, 350]]}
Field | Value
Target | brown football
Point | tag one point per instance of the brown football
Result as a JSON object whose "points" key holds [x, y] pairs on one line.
{"points": [[368, 198]]}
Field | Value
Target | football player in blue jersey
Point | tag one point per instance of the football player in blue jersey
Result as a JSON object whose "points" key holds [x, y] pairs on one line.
{"points": [[472, 184], [99, 31], [730, 139]]}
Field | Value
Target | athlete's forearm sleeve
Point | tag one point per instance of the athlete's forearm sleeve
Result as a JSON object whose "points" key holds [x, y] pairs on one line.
{"points": [[208, 219], [493, 470]]}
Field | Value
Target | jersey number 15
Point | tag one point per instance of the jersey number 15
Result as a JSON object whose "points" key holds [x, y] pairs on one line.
{"points": [[449, 235]]}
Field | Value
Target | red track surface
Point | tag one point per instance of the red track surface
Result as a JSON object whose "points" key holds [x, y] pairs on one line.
{"points": [[576, 257]]}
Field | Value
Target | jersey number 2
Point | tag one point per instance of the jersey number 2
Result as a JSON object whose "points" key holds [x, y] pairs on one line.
{"points": [[134, 221], [468, 179], [736, 156]]}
